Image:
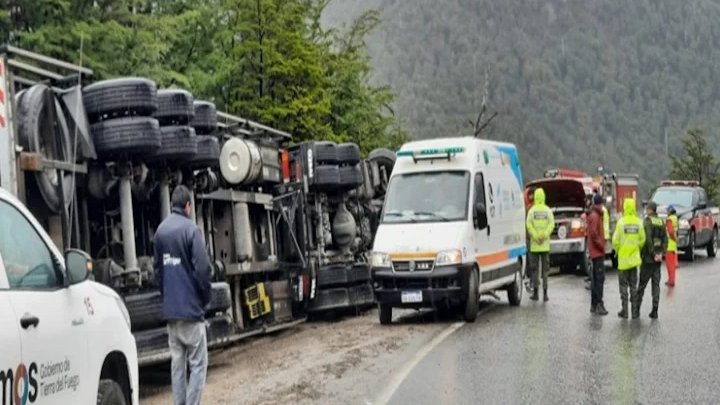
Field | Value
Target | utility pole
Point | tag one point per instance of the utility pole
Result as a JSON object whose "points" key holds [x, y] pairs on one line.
{"points": [[666, 143]]}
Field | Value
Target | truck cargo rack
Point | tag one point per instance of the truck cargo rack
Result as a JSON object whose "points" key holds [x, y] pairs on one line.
{"points": [[251, 129]]}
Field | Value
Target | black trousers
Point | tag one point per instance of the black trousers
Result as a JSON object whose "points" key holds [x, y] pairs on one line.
{"points": [[597, 281], [649, 272]]}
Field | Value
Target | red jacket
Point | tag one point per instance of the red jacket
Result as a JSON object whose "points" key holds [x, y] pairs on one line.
{"points": [[596, 234]]}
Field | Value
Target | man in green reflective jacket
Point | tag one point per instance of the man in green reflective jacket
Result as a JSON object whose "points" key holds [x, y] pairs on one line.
{"points": [[628, 240], [540, 223], [652, 252]]}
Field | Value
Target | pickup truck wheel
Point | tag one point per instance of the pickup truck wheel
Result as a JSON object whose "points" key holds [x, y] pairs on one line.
{"points": [[515, 290], [584, 263], [110, 393], [473, 299], [712, 245], [385, 314], [689, 253]]}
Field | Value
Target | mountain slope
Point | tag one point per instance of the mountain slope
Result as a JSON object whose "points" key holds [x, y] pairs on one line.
{"points": [[577, 84]]}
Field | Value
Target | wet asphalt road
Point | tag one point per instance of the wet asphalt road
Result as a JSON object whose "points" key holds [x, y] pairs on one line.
{"points": [[558, 353]]}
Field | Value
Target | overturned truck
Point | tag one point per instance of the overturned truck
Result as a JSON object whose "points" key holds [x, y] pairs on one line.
{"points": [[287, 227]]}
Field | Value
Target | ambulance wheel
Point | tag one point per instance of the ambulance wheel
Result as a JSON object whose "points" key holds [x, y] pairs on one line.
{"points": [[110, 393], [689, 253], [514, 291], [384, 314], [712, 245], [472, 303]]}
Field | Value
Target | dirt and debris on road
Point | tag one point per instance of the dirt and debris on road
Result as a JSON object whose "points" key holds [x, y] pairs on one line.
{"points": [[313, 363]]}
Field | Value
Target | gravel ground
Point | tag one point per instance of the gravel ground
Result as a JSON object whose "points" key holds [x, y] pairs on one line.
{"points": [[326, 362]]}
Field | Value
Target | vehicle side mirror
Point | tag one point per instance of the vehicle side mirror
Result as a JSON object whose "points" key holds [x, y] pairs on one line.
{"points": [[702, 206], [644, 203], [78, 265], [480, 216]]}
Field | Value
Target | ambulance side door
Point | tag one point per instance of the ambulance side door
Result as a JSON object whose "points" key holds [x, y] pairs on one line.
{"points": [[11, 366]]}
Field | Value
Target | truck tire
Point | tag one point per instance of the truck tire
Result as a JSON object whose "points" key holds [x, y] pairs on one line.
{"points": [[359, 273], [178, 143], [208, 152], [327, 177], [348, 153], [137, 136], [325, 152], [205, 119], [584, 263], [151, 340], [146, 309], [175, 107], [35, 136], [350, 176], [121, 96], [332, 275], [712, 245], [110, 393], [384, 158]]}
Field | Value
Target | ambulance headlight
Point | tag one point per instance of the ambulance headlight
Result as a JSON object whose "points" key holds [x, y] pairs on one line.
{"points": [[684, 224], [380, 259], [123, 310], [448, 257]]}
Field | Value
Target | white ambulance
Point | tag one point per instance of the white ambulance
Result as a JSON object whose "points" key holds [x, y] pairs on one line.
{"points": [[452, 227], [64, 338]]}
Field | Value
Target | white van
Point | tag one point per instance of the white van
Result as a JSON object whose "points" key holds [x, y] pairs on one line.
{"points": [[65, 339], [452, 227]]}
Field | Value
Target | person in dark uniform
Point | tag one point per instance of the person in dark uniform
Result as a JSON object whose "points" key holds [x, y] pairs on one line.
{"points": [[651, 253]]}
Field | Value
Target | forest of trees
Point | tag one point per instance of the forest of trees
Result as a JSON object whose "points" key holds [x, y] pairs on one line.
{"points": [[577, 84], [267, 60]]}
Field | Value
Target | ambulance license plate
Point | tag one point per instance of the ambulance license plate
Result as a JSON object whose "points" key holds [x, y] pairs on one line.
{"points": [[410, 297]]}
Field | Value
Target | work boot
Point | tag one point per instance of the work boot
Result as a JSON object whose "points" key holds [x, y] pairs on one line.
{"points": [[534, 296], [600, 309], [653, 313], [636, 310], [545, 296], [669, 284], [623, 312]]}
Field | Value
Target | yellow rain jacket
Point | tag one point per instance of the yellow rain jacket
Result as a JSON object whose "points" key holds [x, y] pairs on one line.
{"points": [[629, 237], [606, 223], [540, 223]]}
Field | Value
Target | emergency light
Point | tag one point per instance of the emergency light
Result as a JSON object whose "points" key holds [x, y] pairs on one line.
{"points": [[431, 153]]}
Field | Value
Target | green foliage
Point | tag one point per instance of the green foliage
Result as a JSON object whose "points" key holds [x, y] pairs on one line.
{"points": [[266, 60], [697, 163], [578, 84]]}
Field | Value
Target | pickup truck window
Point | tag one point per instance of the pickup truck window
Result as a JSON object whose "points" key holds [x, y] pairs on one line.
{"points": [[28, 261], [673, 195]]}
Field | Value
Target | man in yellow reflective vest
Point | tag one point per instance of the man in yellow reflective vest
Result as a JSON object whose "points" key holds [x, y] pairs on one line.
{"points": [[628, 239], [651, 253], [540, 223], [671, 259]]}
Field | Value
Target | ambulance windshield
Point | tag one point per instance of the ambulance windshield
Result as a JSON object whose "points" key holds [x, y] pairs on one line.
{"points": [[439, 196]]}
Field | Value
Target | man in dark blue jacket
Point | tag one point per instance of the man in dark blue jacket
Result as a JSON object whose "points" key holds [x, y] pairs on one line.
{"points": [[182, 270]]}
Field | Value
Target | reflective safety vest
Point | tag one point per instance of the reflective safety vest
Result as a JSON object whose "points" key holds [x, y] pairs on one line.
{"points": [[672, 245], [606, 223], [628, 239], [658, 228]]}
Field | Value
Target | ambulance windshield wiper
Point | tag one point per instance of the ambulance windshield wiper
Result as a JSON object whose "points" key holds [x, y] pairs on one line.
{"points": [[399, 214], [432, 214]]}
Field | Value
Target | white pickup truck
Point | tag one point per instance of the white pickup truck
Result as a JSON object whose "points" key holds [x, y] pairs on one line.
{"points": [[64, 339]]}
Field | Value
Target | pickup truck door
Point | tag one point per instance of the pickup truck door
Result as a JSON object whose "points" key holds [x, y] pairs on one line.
{"points": [[49, 316], [10, 358], [704, 231]]}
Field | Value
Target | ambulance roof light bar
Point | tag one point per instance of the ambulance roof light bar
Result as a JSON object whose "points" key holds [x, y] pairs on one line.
{"points": [[686, 183], [431, 153]]}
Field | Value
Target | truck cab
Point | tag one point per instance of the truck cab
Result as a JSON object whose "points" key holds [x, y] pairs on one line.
{"points": [[697, 226], [65, 338], [452, 227]]}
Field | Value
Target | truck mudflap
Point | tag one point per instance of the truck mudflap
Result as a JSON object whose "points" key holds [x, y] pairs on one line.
{"points": [[342, 286], [153, 347]]}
